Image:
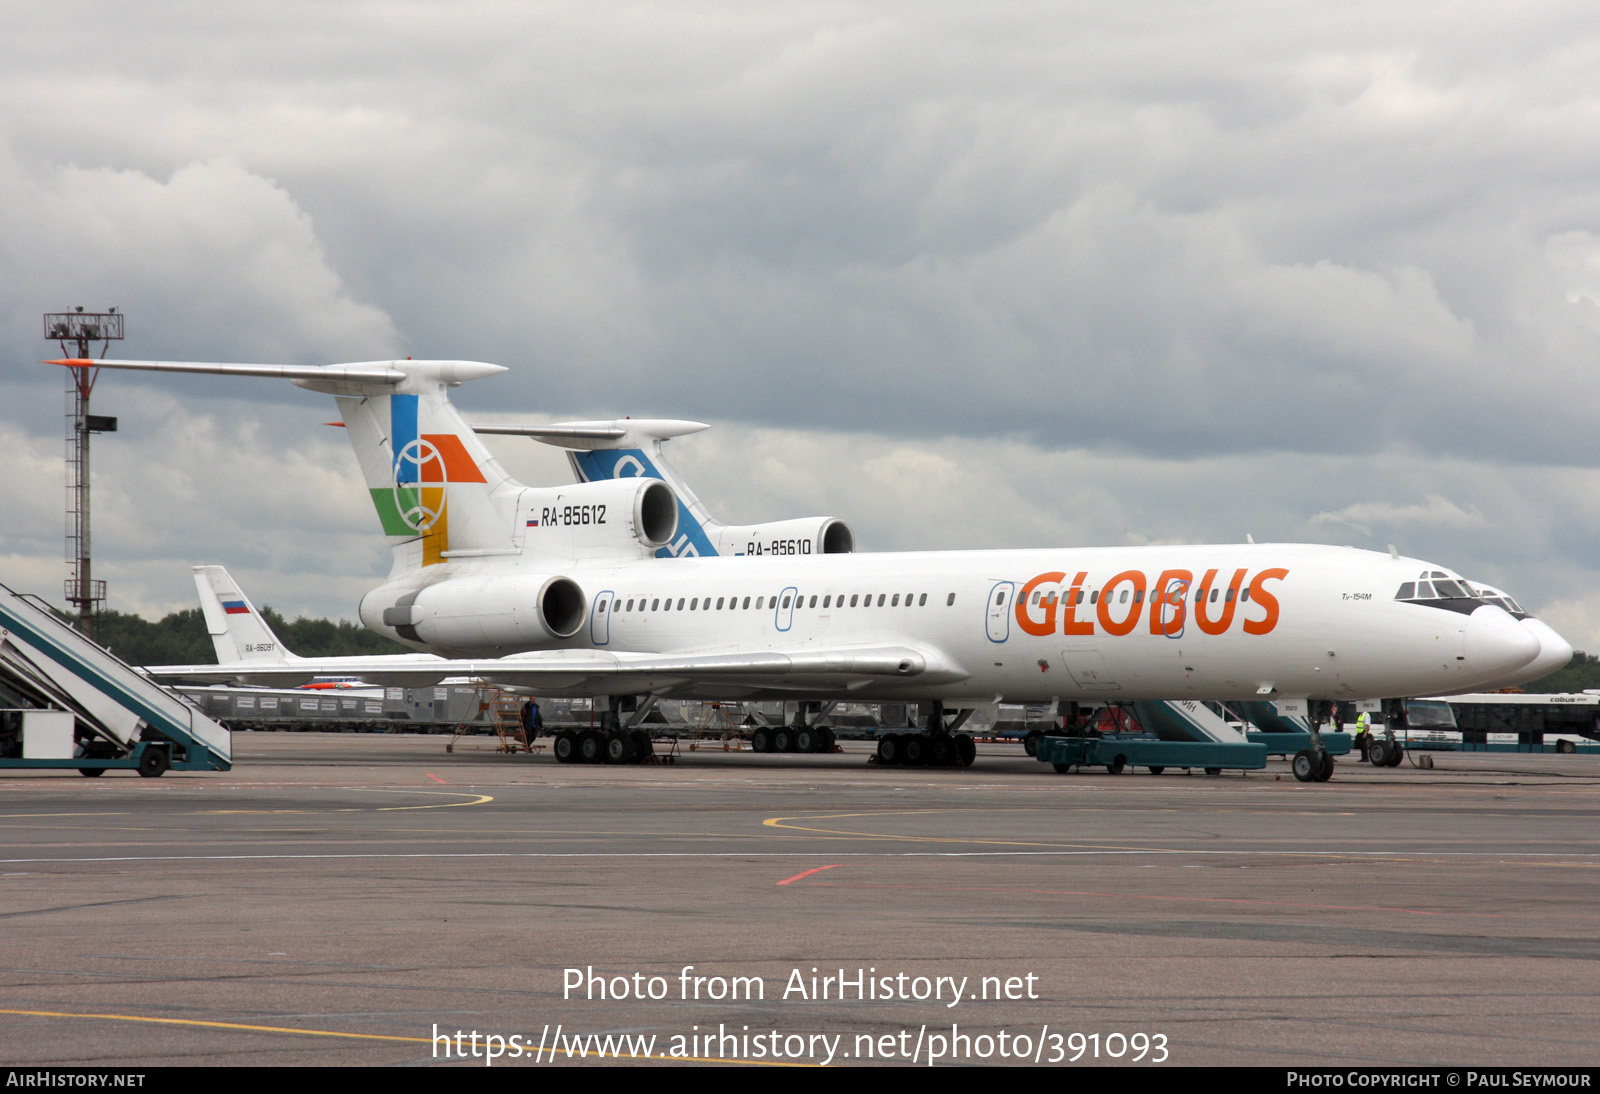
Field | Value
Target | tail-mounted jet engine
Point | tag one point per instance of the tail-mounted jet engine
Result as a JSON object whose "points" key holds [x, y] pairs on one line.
{"points": [[629, 518], [481, 616]]}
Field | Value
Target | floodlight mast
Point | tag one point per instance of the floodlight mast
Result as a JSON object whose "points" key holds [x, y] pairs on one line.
{"points": [[80, 329]]}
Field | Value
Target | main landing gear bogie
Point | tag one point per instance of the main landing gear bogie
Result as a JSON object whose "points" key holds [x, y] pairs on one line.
{"points": [[612, 746], [802, 734], [936, 746], [801, 738], [926, 750]]}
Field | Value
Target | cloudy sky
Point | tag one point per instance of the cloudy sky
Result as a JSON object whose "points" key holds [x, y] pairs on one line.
{"points": [[1009, 274]]}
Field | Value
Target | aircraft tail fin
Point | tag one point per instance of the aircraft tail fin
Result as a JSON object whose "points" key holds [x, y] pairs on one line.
{"points": [[437, 489], [631, 448], [237, 630]]}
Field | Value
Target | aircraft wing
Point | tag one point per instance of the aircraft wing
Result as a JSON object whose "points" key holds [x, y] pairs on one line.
{"points": [[597, 672]]}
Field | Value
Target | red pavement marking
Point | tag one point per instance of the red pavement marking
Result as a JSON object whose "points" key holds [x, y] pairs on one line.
{"points": [[808, 873]]}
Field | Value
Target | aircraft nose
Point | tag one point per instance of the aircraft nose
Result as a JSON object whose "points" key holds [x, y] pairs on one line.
{"points": [[1495, 642], [1554, 651]]}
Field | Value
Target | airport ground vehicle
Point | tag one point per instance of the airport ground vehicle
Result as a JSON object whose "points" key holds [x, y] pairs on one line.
{"points": [[1504, 721]]}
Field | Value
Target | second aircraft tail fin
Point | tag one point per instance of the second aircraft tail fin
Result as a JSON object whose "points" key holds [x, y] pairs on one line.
{"points": [[237, 630], [631, 448]]}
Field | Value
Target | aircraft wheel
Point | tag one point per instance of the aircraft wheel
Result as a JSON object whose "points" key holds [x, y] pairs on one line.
{"points": [[783, 739], [642, 745], [1030, 743], [890, 751], [1062, 769], [806, 740], [1117, 765], [761, 740], [916, 749], [1378, 754], [1304, 765], [91, 772], [619, 747], [153, 762], [566, 747], [1325, 772], [828, 739], [1566, 746], [941, 752], [966, 750], [1396, 753], [591, 747], [1158, 769]]}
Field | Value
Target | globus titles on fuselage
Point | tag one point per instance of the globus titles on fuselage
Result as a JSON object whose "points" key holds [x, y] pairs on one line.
{"points": [[1048, 604]]}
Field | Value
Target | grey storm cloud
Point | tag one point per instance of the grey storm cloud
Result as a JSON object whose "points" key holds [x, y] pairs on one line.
{"points": [[965, 275]]}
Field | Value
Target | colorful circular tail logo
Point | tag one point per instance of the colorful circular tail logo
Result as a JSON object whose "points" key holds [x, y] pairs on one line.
{"points": [[419, 505]]}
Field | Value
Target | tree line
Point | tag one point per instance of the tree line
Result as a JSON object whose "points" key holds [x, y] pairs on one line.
{"points": [[181, 638]]}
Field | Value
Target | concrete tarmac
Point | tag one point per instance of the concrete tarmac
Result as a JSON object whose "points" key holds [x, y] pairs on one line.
{"points": [[349, 899]]}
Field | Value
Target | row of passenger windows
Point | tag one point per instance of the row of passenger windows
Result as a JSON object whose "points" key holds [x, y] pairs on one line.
{"points": [[733, 603], [1226, 595]]}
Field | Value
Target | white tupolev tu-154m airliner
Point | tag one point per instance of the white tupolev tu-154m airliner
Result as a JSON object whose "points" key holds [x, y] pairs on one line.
{"points": [[560, 590]]}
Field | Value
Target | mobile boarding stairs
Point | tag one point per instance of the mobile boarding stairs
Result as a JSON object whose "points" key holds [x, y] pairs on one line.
{"points": [[66, 702]]}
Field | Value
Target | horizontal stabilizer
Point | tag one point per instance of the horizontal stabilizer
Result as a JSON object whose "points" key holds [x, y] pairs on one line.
{"points": [[373, 372], [592, 436], [341, 379], [557, 435]]}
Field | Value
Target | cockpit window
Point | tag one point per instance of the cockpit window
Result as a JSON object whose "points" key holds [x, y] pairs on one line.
{"points": [[1439, 590], [1490, 595]]}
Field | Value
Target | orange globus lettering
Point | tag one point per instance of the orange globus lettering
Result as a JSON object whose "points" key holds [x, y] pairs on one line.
{"points": [[1168, 599]]}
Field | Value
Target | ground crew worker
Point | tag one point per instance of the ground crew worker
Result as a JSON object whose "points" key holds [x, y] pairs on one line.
{"points": [[1361, 735]]}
